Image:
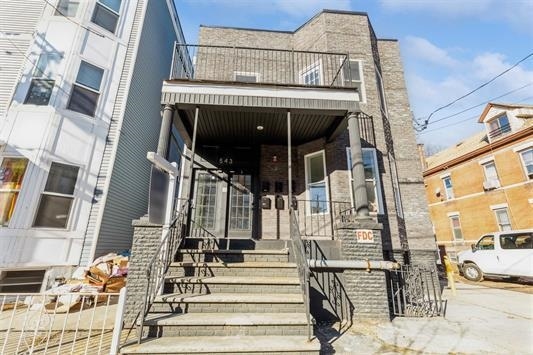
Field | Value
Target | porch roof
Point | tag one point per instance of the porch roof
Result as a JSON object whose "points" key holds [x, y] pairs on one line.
{"points": [[231, 113]]}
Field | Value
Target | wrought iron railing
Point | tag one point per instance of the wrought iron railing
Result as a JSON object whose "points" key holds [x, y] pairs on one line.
{"points": [[506, 128], [264, 65], [160, 262], [318, 218], [300, 256], [416, 292], [332, 288]]}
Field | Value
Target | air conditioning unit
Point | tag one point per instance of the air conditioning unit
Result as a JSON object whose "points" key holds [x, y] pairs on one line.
{"points": [[491, 184]]}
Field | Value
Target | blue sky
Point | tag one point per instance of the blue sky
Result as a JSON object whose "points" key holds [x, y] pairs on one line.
{"points": [[449, 47]]}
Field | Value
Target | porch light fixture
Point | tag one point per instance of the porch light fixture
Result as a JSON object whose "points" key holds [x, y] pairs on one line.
{"points": [[274, 158], [260, 128]]}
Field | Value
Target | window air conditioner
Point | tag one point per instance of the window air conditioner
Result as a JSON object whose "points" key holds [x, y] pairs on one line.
{"points": [[491, 184]]}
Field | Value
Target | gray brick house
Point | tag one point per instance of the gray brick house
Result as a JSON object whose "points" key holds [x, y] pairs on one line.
{"points": [[305, 133]]}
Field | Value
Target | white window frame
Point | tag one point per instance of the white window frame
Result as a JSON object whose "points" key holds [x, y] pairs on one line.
{"points": [[362, 94], [485, 165], [497, 119], [58, 11], [307, 193], [246, 73], [499, 208], [524, 166], [40, 75], [452, 216], [99, 3], [449, 192], [302, 73], [76, 83], [22, 183], [48, 193], [377, 180]]}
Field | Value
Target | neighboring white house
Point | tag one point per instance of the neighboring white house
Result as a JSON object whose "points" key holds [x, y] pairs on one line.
{"points": [[79, 109]]}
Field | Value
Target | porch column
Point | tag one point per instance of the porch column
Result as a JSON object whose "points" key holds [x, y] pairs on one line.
{"points": [[289, 159], [164, 133], [193, 150], [358, 169]]}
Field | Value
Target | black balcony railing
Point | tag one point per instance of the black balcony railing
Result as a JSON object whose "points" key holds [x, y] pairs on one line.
{"points": [[265, 66], [506, 128]]}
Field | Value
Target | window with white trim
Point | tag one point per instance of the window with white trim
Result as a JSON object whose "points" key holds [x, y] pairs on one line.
{"points": [[352, 76], [491, 175], [499, 126], [86, 90], [527, 161], [312, 75], [106, 14], [373, 187], [456, 227], [68, 8], [11, 175], [502, 218], [448, 187], [57, 198], [315, 180], [42, 82]]}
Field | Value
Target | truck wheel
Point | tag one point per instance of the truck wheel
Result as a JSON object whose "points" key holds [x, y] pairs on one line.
{"points": [[472, 272]]}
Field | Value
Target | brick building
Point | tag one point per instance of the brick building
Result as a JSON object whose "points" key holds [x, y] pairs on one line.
{"points": [[484, 183], [244, 83]]}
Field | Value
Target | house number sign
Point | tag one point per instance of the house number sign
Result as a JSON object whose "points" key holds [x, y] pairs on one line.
{"points": [[364, 235]]}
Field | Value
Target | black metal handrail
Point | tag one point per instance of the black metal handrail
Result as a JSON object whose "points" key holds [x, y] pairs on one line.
{"points": [[300, 256], [318, 218], [160, 262], [262, 65]]}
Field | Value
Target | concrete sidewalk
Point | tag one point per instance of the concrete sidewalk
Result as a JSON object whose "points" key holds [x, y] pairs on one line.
{"points": [[478, 320]]}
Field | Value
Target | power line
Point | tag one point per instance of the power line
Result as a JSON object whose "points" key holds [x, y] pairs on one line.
{"points": [[483, 103], [426, 121], [74, 22], [466, 119]]}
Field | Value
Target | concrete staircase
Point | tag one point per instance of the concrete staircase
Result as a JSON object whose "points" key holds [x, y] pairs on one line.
{"points": [[235, 301]]}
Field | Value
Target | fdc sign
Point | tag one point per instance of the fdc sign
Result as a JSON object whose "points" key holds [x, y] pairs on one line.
{"points": [[364, 235]]}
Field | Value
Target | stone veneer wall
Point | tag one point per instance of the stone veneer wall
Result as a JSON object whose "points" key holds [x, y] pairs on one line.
{"points": [[146, 239]]}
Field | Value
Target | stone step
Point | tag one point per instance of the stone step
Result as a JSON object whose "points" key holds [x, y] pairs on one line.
{"points": [[229, 284], [215, 255], [266, 344], [219, 324], [228, 303], [251, 268]]}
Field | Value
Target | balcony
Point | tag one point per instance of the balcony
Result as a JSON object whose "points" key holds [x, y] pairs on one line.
{"points": [[265, 66]]}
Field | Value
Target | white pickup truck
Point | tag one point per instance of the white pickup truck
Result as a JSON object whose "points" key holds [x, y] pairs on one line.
{"points": [[506, 254]]}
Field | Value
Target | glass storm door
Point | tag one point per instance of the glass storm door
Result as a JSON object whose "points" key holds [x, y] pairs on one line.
{"points": [[241, 206]]}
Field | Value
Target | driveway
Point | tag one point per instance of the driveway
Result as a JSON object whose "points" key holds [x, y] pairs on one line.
{"points": [[478, 320]]}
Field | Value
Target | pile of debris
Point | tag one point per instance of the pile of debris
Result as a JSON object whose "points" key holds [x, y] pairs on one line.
{"points": [[106, 274]]}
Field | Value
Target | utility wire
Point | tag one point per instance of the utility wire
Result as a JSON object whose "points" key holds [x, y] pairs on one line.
{"points": [[483, 103], [426, 121], [74, 22], [466, 119]]}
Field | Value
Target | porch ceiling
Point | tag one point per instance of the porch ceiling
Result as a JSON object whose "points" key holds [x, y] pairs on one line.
{"points": [[239, 126]]}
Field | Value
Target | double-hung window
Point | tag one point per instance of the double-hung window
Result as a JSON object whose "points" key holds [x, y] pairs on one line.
{"points": [[106, 14], [86, 90], [502, 218], [491, 176], [456, 227], [352, 76], [499, 126], [11, 174], [373, 188], [448, 187], [68, 8], [315, 179], [527, 161], [56, 200], [42, 82]]}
